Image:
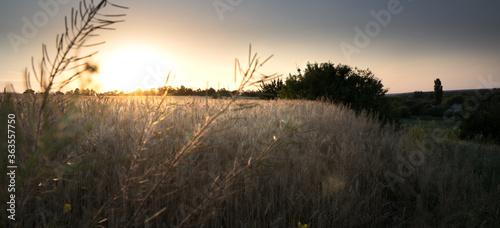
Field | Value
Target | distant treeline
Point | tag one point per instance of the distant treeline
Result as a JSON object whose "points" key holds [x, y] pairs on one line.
{"points": [[172, 91]]}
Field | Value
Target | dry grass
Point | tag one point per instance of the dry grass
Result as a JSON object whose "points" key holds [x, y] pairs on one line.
{"points": [[123, 162]]}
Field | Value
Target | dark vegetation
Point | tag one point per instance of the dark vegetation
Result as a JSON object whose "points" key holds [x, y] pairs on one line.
{"points": [[339, 84], [474, 115], [438, 92], [481, 120], [172, 91]]}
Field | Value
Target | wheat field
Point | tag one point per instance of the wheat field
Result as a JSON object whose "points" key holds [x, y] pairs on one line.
{"points": [[115, 162]]}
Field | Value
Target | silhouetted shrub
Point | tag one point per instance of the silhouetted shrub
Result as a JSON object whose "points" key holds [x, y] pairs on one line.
{"points": [[359, 89], [270, 90], [29, 91]]}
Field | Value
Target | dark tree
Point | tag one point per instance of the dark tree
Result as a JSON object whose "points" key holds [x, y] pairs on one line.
{"points": [[88, 92], [223, 93], [292, 88], [340, 84], [30, 91], [210, 92], [270, 90], [183, 91], [165, 89], [438, 92]]}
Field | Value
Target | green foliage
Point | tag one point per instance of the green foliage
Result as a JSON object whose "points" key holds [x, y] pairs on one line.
{"points": [[436, 111], [292, 87], [400, 110], [418, 95], [340, 84], [438, 92], [483, 123], [416, 133], [419, 107], [456, 99], [270, 90], [451, 134], [404, 112]]}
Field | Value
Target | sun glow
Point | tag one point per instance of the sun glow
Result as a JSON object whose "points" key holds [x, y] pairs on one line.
{"points": [[133, 68]]}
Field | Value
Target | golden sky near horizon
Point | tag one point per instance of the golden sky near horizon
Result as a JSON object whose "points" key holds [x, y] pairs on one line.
{"points": [[407, 44]]}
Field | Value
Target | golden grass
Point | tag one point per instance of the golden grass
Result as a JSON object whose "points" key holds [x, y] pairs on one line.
{"points": [[124, 162]]}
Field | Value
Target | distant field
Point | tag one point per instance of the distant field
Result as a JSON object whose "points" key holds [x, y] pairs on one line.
{"points": [[133, 161], [430, 123]]}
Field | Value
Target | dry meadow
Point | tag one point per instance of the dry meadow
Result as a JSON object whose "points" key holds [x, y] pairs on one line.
{"points": [[115, 162]]}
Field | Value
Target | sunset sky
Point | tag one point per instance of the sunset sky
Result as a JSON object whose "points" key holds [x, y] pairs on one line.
{"points": [[406, 44]]}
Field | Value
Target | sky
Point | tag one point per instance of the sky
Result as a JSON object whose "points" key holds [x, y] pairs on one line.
{"points": [[406, 44]]}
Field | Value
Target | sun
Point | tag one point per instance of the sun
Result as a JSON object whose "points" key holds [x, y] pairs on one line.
{"points": [[129, 69]]}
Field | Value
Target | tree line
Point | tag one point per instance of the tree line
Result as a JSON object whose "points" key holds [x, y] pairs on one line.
{"points": [[173, 91]]}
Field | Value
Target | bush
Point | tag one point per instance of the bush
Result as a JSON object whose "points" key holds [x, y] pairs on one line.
{"points": [[359, 89], [399, 108], [437, 111], [457, 99], [483, 122], [419, 108], [270, 90], [29, 91], [404, 112], [416, 133]]}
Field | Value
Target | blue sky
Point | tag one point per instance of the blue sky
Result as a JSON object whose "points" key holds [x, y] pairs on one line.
{"points": [[199, 40]]}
